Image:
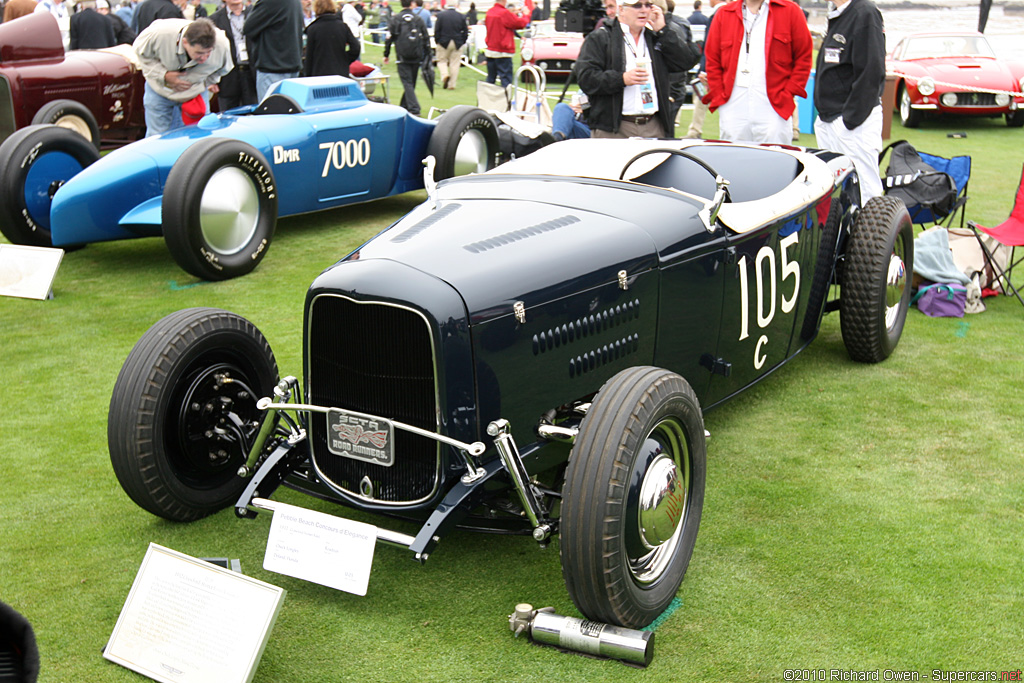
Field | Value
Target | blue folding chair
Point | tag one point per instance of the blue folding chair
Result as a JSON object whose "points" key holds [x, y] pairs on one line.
{"points": [[954, 174]]}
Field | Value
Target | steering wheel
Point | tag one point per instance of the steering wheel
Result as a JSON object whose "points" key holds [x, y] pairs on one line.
{"points": [[719, 182]]}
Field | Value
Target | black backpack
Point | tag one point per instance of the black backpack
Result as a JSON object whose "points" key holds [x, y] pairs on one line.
{"points": [[919, 185], [410, 37]]}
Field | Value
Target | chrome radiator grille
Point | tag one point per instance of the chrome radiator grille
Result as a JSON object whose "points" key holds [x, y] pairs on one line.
{"points": [[378, 359]]}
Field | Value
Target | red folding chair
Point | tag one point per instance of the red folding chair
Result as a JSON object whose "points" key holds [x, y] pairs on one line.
{"points": [[1009, 233]]}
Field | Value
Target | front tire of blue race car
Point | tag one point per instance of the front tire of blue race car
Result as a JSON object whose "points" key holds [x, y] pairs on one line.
{"points": [[219, 209], [465, 141], [37, 161]]}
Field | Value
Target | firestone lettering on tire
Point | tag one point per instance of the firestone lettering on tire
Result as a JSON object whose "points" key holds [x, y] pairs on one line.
{"points": [[261, 174]]}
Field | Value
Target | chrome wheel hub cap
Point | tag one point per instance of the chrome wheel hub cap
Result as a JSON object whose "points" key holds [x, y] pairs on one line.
{"points": [[471, 154], [229, 210], [661, 503], [895, 285]]}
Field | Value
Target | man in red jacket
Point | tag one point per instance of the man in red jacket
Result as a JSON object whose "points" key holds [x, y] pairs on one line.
{"points": [[758, 58], [501, 40]]}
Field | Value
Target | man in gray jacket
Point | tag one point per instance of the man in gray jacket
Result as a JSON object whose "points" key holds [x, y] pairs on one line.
{"points": [[181, 60]]}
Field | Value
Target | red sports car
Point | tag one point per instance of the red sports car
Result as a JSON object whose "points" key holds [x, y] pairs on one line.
{"points": [[97, 93], [552, 52], [954, 73]]}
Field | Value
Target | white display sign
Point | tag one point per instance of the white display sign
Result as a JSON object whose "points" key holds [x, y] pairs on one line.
{"points": [[189, 621], [324, 549], [28, 272]]}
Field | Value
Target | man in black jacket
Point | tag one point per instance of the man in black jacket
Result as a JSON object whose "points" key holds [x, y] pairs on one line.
{"points": [[274, 33], [149, 11], [848, 84], [90, 30], [450, 34], [408, 33], [238, 87], [623, 68]]}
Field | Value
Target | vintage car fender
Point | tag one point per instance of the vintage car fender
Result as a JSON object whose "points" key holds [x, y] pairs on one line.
{"points": [[35, 70]]}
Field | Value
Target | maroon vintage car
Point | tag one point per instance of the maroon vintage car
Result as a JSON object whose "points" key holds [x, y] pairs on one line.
{"points": [[98, 93]]}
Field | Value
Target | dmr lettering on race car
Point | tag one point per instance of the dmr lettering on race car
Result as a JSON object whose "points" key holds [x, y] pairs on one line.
{"points": [[344, 154], [765, 269]]}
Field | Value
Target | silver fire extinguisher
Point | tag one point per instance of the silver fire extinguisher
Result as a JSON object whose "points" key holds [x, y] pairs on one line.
{"points": [[582, 635]]}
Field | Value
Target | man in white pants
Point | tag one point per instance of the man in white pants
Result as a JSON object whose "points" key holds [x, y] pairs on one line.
{"points": [[848, 84]]}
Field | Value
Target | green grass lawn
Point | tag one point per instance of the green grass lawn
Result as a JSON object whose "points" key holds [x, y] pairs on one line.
{"points": [[856, 517]]}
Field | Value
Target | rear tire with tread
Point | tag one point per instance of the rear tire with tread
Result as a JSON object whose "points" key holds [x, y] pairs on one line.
{"points": [[875, 295]]}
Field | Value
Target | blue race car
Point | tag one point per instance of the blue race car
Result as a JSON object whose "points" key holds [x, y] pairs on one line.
{"points": [[215, 190]]}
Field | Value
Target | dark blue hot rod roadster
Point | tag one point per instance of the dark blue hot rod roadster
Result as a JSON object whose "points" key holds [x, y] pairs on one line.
{"points": [[531, 349]]}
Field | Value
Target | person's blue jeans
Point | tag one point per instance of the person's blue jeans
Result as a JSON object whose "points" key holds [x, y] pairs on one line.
{"points": [[162, 114], [265, 79], [500, 68], [565, 126]]}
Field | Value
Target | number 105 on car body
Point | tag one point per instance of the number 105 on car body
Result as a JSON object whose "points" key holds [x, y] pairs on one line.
{"points": [[770, 284]]}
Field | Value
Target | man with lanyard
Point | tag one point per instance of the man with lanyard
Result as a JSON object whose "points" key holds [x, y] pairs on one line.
{"points": [[848, 86], [180, 60], [758, 59], [238, 87], [623, 69]]}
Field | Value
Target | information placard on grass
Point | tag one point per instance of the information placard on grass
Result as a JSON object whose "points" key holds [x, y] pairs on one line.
{"points": [[28, 272], [324, 549], [190, 621]]}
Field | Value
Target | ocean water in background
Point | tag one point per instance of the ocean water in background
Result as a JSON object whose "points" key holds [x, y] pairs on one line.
{"points": [[1005, 32]]}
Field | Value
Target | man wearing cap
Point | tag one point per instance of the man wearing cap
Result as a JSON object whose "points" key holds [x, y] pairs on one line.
{"points": [[180, 60], [623, 68], [90, 30]]}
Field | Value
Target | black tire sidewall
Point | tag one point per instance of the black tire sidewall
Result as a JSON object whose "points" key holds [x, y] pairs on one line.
{"points": [[52, 112], [141, 405], [181, 208], [453, 126], [19, 153], [594, 518], [882, 222]]}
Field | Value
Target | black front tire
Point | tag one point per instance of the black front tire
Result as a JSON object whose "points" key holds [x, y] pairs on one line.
{"points": [[72, 115], [464, 141], [633, 496], [1015, 119], [183, 412], [219, 209], [37, 161], [909, 117], [875, 293]]}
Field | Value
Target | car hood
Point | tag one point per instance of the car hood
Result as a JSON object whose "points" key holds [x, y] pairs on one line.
{"points": [[972, 71], [530, 246]]}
